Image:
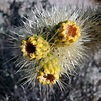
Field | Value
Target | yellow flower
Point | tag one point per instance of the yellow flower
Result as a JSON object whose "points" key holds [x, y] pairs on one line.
{"points": [[67, 32], [49, 71], [34, 47]]}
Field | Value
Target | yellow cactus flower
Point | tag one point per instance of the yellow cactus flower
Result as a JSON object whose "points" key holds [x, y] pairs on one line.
{"points": [[67, 32], [49, 71], [34, 47]]}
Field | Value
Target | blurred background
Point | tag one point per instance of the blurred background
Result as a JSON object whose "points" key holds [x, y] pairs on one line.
{"points": [[83, 86]]}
